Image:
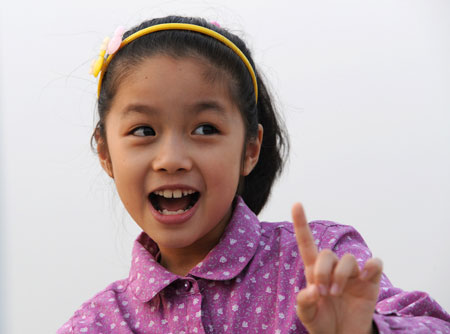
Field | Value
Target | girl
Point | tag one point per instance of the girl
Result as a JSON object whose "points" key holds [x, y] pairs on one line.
{"points": [[189, 134]]}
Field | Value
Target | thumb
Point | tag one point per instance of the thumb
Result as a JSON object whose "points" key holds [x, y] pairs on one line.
{"points": [[307, 303]]}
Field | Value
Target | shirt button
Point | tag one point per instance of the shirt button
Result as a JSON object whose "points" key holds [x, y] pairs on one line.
{"points": [[188, 286]]}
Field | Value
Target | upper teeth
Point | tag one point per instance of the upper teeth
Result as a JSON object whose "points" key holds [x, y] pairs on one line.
{"points": [[177, 193]]}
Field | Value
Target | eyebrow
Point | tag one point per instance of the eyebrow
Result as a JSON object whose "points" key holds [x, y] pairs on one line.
{"points": [[136, 108], [203, 106], [196, 108]]}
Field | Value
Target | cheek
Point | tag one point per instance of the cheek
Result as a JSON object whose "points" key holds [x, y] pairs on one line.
{"points": [[129, 174], [223, 167]]}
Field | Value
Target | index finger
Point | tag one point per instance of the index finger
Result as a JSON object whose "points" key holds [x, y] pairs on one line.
{"points": [[305, 240]]}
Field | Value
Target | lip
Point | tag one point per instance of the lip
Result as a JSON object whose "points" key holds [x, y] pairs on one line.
{"points": [[174, 219], [174, 187]]}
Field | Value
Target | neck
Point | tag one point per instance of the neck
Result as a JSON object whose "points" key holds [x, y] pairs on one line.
{"points": [[180, 261]]}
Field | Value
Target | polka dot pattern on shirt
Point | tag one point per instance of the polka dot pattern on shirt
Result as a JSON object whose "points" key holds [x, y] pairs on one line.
{"points": [[246, 284]]}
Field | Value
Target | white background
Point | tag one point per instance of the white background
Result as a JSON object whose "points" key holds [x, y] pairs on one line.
{"points": [[364, 89]]}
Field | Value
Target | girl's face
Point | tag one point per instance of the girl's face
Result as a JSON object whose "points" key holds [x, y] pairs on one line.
{"points": [[174, 131]]}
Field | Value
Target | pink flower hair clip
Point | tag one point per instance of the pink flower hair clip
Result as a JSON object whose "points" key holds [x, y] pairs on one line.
{"points": [[116, 40], [108, 47]]}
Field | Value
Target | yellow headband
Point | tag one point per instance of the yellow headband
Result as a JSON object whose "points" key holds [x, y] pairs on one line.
{"points": [[102, 63]]}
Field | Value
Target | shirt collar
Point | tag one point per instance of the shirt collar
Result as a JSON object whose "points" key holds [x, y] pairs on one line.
{"points": [[147, 277], [235, 249], [225, 261]]}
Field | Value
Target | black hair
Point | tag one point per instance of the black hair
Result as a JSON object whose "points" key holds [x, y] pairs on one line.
{"points": [[255, 187]]}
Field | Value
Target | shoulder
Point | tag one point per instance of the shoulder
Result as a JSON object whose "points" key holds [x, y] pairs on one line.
{"points": [[95, 312], [325, 232]]}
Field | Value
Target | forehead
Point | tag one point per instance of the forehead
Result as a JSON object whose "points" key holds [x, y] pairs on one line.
{"points": [[161, 75], [167, 83]]}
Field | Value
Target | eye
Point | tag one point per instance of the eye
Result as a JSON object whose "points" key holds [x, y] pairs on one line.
{"points": [[143, 131], [206, 129]]}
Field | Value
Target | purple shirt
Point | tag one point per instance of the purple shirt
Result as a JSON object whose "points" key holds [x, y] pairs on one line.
{"points": [[246, 284]]}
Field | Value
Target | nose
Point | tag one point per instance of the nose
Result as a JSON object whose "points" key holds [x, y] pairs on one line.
{"points": [[172, 155]]}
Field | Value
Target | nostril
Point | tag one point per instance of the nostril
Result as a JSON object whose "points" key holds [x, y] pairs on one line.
{"points": [[172, 166]]}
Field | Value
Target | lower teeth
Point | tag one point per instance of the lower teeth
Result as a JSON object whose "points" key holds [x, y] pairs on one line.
{"points": [[170, 213]]}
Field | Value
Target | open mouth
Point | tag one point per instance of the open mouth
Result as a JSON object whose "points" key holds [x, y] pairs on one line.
{"points": [[173, 202]]}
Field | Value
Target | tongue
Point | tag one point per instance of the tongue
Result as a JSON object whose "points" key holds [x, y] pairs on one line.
{"points": [[174, 204]]}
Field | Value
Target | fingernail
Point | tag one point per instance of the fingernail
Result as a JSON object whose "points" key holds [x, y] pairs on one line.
{"points": [[334, 289], [364, 274], [311, 291], [323, 290]]}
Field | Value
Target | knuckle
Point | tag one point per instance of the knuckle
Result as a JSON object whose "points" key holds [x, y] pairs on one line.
{"points": [[378, 263], [327, 254], [322, 277], [339, 276], [348, 257], [344, 267]]}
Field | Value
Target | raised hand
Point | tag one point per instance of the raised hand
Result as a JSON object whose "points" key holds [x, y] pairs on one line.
{"points": [[339, 298]]}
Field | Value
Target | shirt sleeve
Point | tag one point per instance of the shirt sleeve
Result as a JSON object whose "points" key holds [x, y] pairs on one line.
{"points": [[396, 311], [66, 328]]}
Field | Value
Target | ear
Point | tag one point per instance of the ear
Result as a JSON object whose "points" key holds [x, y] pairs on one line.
{"points": [[103, 154], [252, 149]]}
